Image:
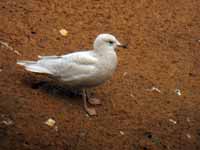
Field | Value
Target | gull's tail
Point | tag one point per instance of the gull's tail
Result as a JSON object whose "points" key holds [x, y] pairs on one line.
{"points": [[33, 66]]}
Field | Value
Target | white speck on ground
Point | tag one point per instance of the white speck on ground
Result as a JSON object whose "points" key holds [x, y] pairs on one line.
{"points": [[7, 122], [172, 121], [9, 47], [188, 136], [50, 122], [125, 73], [63, 32], [154, 89], [56, 128], [178, 92], [188, 119], [121, 132], [132, 95]]}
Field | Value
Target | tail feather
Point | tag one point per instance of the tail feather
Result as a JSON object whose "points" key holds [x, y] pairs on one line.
{"points": [[49, 57], [33, 66], [24, 62]]}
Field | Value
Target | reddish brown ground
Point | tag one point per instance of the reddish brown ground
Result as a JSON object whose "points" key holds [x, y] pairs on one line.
{"points": [[164, 51]]}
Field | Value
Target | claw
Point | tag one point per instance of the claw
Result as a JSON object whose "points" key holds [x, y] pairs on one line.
{"points": [[91, 111]]}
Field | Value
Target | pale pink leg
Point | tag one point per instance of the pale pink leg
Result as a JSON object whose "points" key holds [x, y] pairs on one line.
{"points": [[90, 111]]}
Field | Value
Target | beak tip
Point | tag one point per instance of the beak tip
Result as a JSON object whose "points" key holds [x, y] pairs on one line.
{"points": [[124, 46]]}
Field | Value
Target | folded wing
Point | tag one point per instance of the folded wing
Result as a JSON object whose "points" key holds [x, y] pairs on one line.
{"points": [[68, 67]]}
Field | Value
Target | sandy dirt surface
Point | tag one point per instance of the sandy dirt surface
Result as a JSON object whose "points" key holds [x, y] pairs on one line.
{"points": [[151, 103]]}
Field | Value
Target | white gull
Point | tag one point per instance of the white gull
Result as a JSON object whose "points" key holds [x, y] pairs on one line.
{"points": [[83, 69]]}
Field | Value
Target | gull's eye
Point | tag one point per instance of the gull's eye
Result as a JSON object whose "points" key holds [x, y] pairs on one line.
{"points": [[110, 43]]}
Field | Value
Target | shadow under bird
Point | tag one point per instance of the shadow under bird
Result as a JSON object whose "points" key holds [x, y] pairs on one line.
{"points": [[83, 69]]}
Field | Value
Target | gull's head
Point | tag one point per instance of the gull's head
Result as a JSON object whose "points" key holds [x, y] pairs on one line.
{"points": [[106, 42]]}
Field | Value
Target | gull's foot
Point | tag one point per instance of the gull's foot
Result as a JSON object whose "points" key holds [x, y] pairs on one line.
{"points": [[91, 111], [94, 101]]}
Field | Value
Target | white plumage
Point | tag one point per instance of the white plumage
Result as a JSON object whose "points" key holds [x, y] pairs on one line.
{"points": [[81, 69]]}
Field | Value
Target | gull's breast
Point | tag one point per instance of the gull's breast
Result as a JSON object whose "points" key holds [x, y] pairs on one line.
{"points": [[106, 67]]}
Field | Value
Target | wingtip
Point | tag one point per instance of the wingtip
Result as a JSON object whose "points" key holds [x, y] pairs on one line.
{"points": [[20, 63]]}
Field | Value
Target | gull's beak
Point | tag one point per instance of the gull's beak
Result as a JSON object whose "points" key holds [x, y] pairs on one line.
{"points": [[122, 45]]}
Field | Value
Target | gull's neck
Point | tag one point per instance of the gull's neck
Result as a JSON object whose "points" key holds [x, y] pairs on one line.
{"points": [[104, 50]]}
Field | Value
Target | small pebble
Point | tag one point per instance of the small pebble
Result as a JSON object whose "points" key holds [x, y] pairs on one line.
{"points": [[16, 52], [188, 136], [188, 119], [125, 73], [173, 121], [154, 89], [121, 132], [178, 92], [56, 128], [7, 122], [63, 32], [50, 122], [132, 95]]}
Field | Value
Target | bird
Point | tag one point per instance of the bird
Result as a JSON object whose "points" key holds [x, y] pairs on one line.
{"points": [[81, 69]]}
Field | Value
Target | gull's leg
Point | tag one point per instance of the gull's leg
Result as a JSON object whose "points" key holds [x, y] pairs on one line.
{"points": [[93, 101], [90, 111]]}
